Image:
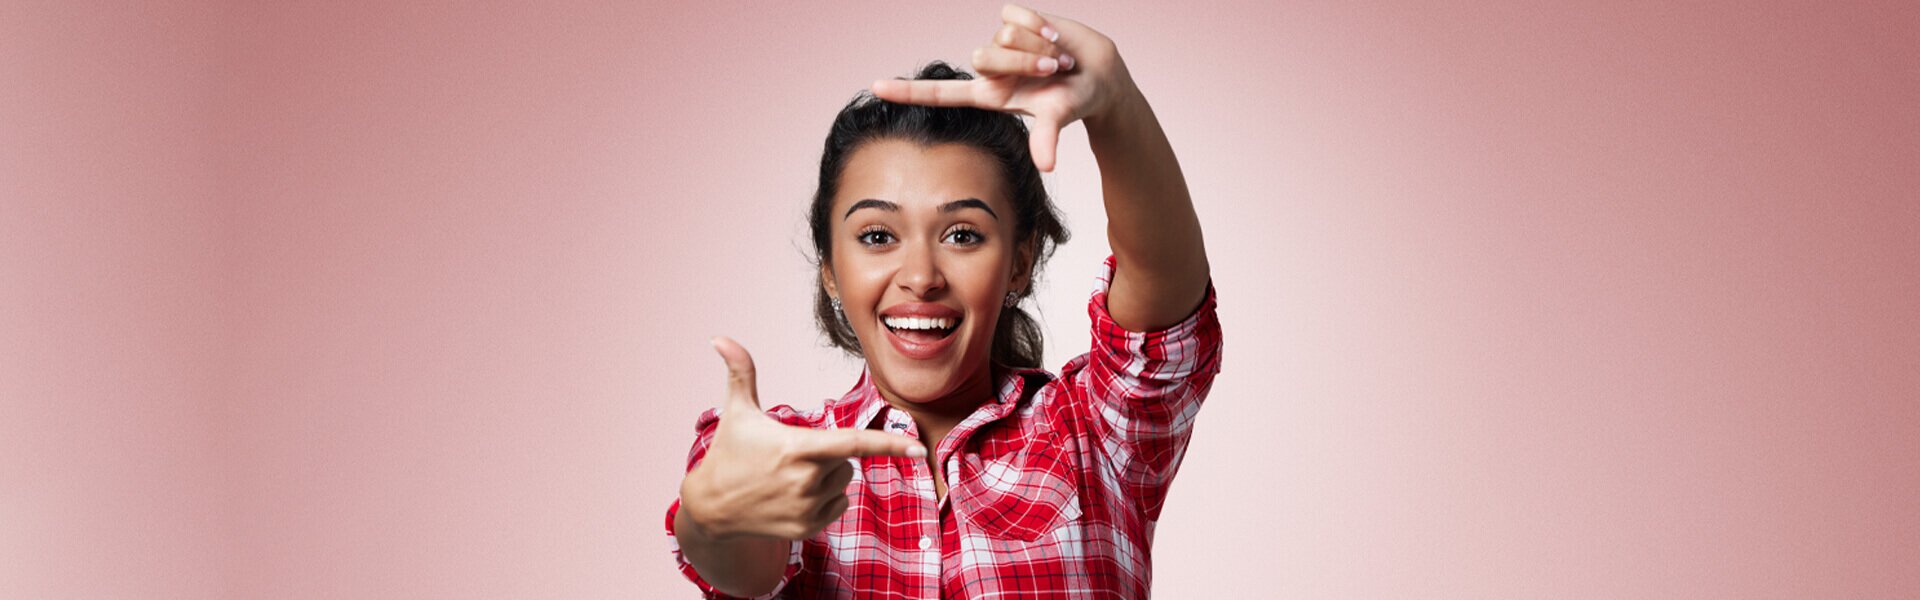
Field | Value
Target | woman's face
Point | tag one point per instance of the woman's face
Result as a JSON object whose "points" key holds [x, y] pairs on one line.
{"points": [[922, 256]]}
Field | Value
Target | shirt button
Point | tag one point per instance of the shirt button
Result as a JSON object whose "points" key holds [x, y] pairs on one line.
{"points": [[926, 542]]}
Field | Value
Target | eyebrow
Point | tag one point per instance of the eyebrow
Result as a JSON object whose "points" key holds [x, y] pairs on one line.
{"points": [[955, 205]]}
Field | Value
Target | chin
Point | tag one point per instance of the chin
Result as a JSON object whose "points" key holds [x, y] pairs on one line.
{"points": [[922, 381]]}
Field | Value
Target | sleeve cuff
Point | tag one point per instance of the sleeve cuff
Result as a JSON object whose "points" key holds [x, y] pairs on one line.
{"points": [[1179, 351], [707, 590]]}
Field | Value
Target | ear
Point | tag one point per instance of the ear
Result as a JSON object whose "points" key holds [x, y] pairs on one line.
{"points": [[826, 280], [1023, 258]]}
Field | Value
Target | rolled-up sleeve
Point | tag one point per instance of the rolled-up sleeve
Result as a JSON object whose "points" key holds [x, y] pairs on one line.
{"points": [[1144, 389]]}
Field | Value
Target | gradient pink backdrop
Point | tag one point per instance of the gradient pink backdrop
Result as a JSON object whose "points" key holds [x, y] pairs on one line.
{"points": [[374, 300]]}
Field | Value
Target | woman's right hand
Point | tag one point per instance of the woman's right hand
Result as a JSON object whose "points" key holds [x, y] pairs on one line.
{"points": [[761, 477]]}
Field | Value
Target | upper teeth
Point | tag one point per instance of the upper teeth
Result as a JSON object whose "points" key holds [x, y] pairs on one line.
{"points": [[918, 323]]}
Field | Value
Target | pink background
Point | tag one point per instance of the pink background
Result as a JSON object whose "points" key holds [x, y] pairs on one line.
{"points": [[375, 300]]}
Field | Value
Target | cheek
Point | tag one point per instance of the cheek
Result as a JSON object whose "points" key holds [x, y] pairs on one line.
{"points": [[861, 280], [981, 283]]}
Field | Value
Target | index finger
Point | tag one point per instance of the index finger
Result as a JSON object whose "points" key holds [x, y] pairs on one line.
{"points": [[942, 92], [841, 444]]}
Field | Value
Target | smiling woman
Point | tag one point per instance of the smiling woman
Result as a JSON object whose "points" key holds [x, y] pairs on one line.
{"points": [[930, 223], [941, 251]]}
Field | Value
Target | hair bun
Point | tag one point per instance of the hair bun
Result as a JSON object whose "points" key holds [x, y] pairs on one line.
{"points": [[937, 70]]}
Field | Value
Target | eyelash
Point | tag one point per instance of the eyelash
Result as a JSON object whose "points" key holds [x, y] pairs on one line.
{"points": [[862, 236], [978, 238]]}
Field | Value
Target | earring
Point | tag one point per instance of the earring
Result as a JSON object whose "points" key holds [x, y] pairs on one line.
{"points": [[838, 310], [1012, 299]]}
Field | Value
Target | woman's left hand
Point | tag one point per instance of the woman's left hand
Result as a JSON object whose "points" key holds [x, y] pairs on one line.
{"points": [[1045, 66]]}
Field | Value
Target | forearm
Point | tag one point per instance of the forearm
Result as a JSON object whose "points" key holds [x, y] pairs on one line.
{"points": [[1151, 223], [741, 566]]}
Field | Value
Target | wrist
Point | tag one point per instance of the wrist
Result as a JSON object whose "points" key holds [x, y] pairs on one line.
{"points": [[698, 516], [1119, 113]]}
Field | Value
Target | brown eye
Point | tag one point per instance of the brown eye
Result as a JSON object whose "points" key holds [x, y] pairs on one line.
{"points": [[875, 237], [965, 237]]}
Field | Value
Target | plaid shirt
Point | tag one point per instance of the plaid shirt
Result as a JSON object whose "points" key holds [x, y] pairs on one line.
{"points": [[1053, 488]]}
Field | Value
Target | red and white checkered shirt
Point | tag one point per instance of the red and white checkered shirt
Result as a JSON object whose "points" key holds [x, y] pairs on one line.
{"points": [[1052, 492]]}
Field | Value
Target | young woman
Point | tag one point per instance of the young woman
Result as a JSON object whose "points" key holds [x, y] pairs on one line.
{"points": [[956, 467]]}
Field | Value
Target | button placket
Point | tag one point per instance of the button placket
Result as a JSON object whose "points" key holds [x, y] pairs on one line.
{"points": [[923, 481], [923, 486]]}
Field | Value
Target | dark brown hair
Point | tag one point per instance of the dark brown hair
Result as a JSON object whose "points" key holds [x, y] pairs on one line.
{"points": [[1017, 339]]}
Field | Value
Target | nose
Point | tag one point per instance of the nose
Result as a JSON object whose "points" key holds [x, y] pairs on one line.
{"points": [[920, 273]]}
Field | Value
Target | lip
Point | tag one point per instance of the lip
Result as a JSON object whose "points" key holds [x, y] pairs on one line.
{"points": [[925, 310]]}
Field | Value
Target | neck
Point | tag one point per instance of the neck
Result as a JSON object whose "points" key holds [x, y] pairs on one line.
{"points": [[945, 412]]}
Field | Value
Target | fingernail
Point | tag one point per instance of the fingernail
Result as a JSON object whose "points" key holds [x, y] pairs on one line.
{"points": [[1049, 65], [1047, 31], [917, 451], [1066, 62]]}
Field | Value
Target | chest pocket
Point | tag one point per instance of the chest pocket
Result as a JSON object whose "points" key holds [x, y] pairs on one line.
{"points": [[1021, 495]]}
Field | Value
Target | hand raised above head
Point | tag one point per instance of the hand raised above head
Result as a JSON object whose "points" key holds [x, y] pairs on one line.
{"points": [[763, 477], [1049, 67]]}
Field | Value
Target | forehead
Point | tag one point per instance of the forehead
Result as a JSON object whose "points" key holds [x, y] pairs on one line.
{"points": [[919, 176]]}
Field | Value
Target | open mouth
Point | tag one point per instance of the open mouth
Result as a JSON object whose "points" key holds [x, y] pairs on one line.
{"points": [[922, 330]]}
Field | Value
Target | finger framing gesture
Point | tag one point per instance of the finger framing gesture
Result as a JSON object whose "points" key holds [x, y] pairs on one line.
{"points": [[1048, 67]]}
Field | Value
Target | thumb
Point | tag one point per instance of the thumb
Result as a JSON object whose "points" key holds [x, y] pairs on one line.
{"points": [[1043, 139], [742, 394]]}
